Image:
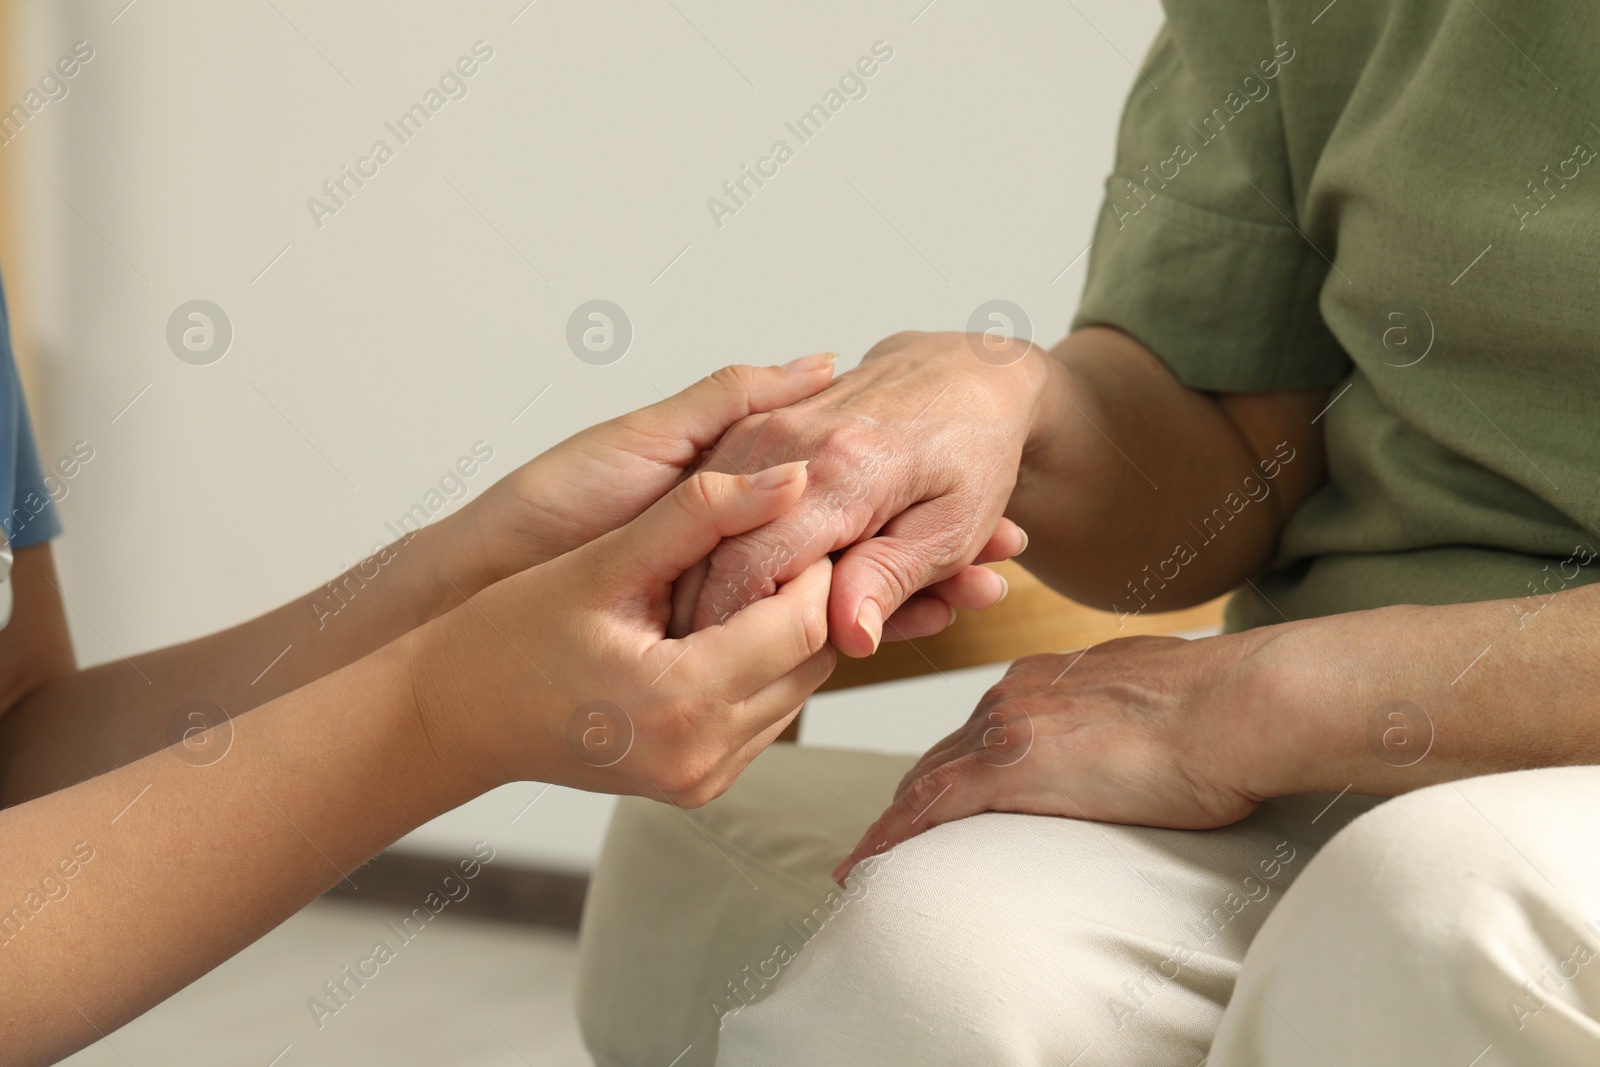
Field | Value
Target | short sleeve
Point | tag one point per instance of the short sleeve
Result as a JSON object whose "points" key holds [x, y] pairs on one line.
{"points": [[31, 516], [1195, 252]]}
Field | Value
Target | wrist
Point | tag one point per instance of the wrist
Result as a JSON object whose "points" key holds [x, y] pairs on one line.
{"points": [[1270, 739], [392, 728], [1329, 710], [1048, 386], [452, 560], [513, 526], [431, 666]]}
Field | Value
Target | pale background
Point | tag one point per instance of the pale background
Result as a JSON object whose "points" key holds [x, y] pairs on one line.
{"points": [[416, 321]]}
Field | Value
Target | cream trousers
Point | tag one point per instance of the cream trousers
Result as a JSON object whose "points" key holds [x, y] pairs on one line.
{"points": [[1458, 925]]}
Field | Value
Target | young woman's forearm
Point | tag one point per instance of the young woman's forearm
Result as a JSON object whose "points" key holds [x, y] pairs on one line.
{"points": [[77, 725], [1136, 490], [117, 892]]}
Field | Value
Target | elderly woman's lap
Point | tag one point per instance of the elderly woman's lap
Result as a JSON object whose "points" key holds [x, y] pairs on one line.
{"points": [[1004, 939]]}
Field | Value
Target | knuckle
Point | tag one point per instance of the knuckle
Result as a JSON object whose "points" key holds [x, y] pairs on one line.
{"points": [[677, 785], [1034, 664], [780, 433], [948, 547], [846, 445], [738, 440], [733, 554], [707, 789], [690, 799], [895, 342], [1018, 681], [925, 788], [691, 780], [825, 523], [1001, 719], [700, 493], [1148, 642], [910, 778], [810, 631], [891, 573], [745, 568], [995, 696], [735, 378]]}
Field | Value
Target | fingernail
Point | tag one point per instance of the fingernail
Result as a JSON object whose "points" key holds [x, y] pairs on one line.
{"points": [[870, 619], [807, 364], [1005, 587], [1024, 534], [777, 477]]}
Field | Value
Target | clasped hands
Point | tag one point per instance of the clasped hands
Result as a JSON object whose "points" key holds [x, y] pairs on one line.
{"points": [[649, 603]]}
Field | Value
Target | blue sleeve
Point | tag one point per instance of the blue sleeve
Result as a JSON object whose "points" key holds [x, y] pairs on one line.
{"points": [[30, 516]]}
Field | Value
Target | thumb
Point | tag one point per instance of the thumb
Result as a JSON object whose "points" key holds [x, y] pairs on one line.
{"points": [[682, 528], [876, 576]]}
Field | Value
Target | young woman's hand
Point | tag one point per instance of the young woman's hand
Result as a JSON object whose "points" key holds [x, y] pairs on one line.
{"points": [[563, 672], [607, 475]]}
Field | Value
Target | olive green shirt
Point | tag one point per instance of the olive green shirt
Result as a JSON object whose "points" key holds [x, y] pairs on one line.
{"points": [[1398, 200]]}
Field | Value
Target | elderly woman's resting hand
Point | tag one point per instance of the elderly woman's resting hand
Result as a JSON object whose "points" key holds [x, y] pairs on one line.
{"points": [[1143, 730]]}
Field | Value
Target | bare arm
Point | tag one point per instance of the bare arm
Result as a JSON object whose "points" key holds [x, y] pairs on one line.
{"points": [[119, 891], [1127, 464], [1393, 699], [65, 726]]}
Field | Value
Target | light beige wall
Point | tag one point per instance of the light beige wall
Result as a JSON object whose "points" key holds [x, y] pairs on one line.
{"points": [[416, 321], [10, 207]]}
